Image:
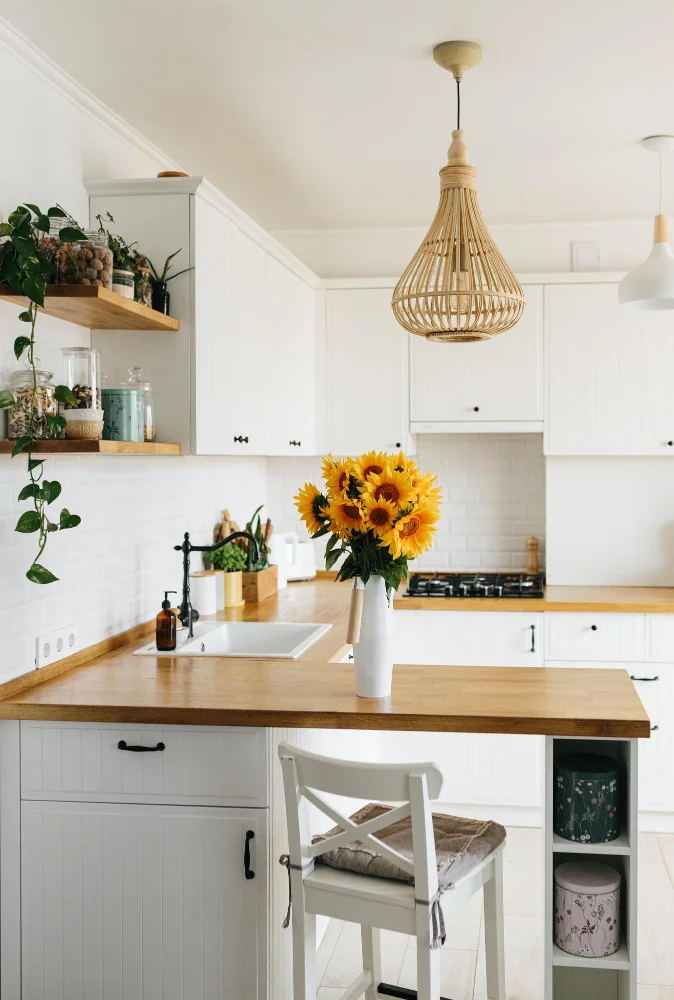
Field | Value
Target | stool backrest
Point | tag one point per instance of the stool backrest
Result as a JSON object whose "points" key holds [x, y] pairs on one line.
{"points": [[413, 785]]}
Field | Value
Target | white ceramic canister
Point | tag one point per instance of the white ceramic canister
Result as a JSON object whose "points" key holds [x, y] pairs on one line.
{"points": [[204, 591], [587, 908]]}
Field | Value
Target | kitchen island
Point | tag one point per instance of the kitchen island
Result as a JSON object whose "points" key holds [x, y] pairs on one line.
{"points": [[137, 869]]}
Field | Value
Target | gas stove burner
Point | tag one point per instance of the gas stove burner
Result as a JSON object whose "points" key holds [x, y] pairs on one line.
{"points": [[499, 585]]}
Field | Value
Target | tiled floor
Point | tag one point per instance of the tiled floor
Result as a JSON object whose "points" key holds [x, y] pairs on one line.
{"points": [[462, 959]]}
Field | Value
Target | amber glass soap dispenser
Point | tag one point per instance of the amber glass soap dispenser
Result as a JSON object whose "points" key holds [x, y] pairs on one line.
{"points": [[166, 625]]}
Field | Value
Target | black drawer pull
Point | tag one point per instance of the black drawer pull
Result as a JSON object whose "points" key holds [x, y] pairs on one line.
{"points": [[633, 678], [240, 439], [296, 443], [653, 728], [122, 745], [247, 870], [593, 627], [533, 638], [476, 409]]}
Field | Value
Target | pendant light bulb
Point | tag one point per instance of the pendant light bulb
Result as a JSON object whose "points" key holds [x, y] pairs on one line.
{"points": [[651, 285], [458, 287]]}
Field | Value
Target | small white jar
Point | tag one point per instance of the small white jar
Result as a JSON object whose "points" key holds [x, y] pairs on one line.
{"points": [[587, 908]]}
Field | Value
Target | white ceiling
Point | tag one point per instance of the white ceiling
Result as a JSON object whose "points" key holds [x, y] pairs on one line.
{"points": [[317, 114]]}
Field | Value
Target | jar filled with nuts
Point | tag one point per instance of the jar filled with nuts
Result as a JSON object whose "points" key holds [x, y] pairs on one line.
{"points": [[88, 262], [18, 414], [82, 375], [143, 284]]}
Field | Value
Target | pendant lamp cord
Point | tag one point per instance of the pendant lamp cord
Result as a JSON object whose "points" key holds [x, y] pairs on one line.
{"points": [[458, 115], [660, 160]]}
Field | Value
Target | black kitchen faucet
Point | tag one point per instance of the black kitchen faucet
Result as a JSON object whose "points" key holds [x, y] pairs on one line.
{"points": [[189, 615]]}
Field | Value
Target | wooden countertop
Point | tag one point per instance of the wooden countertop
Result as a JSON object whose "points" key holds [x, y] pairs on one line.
{"points": [[650, 600], [315, 693]]}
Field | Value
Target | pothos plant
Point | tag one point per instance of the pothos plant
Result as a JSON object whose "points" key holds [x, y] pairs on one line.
{"points": [[26, 265]]}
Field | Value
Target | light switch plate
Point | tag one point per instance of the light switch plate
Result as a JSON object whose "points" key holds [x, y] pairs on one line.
{"points": [[585, 256], [55, 645]]}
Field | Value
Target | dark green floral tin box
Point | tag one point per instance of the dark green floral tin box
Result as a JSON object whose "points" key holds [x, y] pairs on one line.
{"points": [[587, 797]]}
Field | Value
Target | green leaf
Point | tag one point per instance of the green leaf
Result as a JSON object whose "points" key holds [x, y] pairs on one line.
{"points": [[51, 526], [31, 490], [6, 399], [64, 395], [321, 531], [29, 521], [5, 229], [332, 557], [50, 490], [20, 345], [38, 574], [25, 317], [68, 520], [56, 213], [42, 223], [20, 445], [34, 290], [34, 462], [54, 425], [33, 208], [71, 235]]}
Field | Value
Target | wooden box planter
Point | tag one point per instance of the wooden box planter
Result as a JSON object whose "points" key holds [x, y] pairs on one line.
{"points": [[259, 586]]}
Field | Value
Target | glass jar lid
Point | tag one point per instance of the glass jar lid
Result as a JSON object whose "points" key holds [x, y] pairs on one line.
{"points": [[135, 379], [81, 352], [24, 377]]}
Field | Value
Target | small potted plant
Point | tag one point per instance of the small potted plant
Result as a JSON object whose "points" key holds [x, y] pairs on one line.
{"points": [[231, 559], [161, 297], [260, 580]]}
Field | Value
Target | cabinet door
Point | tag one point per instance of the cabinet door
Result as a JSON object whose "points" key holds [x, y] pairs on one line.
{"points": [[142, 901], [366, 373], [609, 389], [470, 638], [495, 380]]}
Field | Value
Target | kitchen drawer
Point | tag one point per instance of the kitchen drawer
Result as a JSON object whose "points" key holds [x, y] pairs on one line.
{"points": [[470, 638], [660, 638], [594, 637], [81, 762]]}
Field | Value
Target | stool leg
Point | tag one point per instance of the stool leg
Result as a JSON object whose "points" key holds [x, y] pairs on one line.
{"points": [[304, 944], [494, 932], [371, 944], [428, 960]]}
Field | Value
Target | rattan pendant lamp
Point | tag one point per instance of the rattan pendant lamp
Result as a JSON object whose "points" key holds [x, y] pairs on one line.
{"points": [[458, 287]]}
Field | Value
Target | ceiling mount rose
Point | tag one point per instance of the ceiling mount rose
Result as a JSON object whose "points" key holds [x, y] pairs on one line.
{"points": [[458, 288]]}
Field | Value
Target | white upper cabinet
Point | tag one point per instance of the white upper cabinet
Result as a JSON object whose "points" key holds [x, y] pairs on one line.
{"points": [[366, 373], [499, 381], [609, 374]]}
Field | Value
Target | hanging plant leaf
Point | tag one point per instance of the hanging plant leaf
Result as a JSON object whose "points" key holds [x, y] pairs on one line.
{"points": [[65, 395], [20, 445], [54, 424], [71, 235], [50, 490], [34, 290], [20, 345], [28, 522], [42, 223], [51, 526], [31, 490], [25, 317], [34, 462], [5, 229], [38, 574], [68, 520], [56, 213], [33, 208], [6, 399]]}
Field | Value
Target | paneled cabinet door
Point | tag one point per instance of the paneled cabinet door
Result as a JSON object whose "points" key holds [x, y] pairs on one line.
{"points": [[609, 390], [496, 380], [470, 638], [142, 901], [366, 373]]}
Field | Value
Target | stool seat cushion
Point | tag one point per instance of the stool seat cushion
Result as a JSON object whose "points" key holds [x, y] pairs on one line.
{"points": [[460, 846]]}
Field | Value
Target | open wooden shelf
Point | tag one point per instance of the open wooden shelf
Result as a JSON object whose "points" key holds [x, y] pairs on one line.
{"points": [[97, 448], [96, 308]]}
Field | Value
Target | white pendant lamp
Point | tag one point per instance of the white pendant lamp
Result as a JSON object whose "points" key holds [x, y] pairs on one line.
{"points": [[458, 287], [651, 285]]}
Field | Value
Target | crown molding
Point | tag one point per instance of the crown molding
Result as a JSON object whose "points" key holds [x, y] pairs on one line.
{"points": [[526, 278], [17, 45]]}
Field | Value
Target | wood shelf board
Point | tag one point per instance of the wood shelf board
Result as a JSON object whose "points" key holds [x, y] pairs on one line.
{"points": [[98, 448], [619, 961], [96, 308], [620, 845]]}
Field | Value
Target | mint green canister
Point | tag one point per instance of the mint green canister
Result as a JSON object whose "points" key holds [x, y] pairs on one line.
{"points": [[123, 414]]}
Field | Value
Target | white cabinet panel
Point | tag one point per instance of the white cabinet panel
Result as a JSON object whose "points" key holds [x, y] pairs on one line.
{"points": [[146, 902], [470, 638], [366, 373], [81, 761], [609, 370], [588, 636], [660, 638], [496, 380]]}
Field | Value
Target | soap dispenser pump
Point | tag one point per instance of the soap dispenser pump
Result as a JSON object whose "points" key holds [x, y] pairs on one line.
{"points": [[166, 625]]}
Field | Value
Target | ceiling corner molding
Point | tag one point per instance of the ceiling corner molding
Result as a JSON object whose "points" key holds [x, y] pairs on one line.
{"points": [[18, 45]]}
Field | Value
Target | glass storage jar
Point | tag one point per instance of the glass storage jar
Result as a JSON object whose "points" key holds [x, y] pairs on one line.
{"points": [[88, 262], [137, 381], [18, 414], [82, 374], [144, 286]]}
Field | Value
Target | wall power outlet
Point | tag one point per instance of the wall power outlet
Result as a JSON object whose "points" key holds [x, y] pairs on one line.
{"points": [[54, 645]]}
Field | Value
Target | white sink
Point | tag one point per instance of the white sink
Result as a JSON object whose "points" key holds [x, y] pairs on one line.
{"points": [[274, 640]]}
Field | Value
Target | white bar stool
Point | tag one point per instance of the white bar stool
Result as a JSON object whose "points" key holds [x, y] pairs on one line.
{"points": [[379, 903]]}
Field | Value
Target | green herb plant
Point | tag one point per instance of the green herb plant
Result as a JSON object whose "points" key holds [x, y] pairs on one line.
{"points": [[256, 530], [125, 256], [166, 276], [26, 265], [229, 558]]}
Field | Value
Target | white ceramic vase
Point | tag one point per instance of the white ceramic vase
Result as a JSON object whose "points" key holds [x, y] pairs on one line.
{"points": [[373, 653]]}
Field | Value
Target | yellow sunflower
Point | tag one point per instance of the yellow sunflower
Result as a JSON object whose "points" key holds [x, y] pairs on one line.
{"points": [[346, 517], [372, 462], [312, 505], [394, 487], [379, 515], [337, 476], [426, 489], [413, 533], [401, 461]]}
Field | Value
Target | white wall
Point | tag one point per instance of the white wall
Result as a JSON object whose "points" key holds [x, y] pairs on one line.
{"points": [[610, 521], [114, 567], [494, 487]]}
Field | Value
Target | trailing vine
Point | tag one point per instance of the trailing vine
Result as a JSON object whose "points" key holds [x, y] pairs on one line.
{"points": [[26, 265]]}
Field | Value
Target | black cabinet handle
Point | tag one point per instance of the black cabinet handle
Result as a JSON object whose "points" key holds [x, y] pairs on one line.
{"points": [[296, 443], [122, 745], [653, 728], [633, 678], [398, 444], [593, 627], [247, 870], [533, 638], [240, 439], [670, 443], [476, 409]]}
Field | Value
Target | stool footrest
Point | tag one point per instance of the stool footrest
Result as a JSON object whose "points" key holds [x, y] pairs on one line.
{"points": [[400, 992]]}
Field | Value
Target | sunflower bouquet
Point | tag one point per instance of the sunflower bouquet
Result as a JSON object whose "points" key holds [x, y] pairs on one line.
{"points": [[379, 510]]}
